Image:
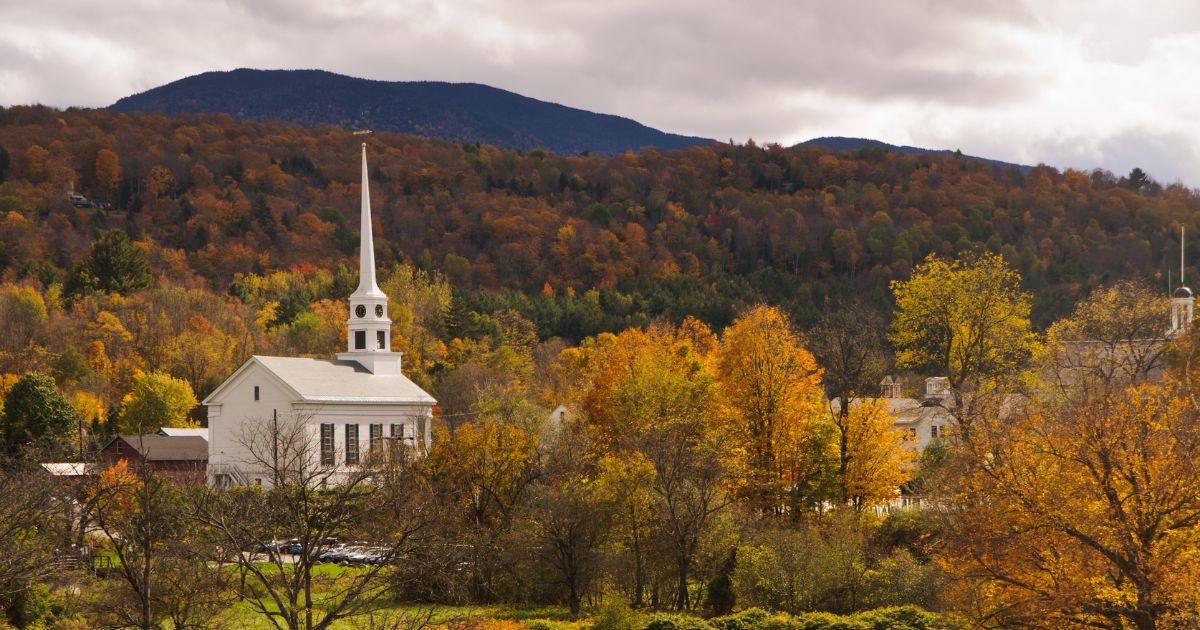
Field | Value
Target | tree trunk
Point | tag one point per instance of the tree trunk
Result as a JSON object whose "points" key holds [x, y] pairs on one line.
{"points": [[639, 582], [682, 594]]}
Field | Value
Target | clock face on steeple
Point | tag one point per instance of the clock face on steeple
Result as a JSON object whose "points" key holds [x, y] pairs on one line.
{"points": [[360, 311], [378, 310]]}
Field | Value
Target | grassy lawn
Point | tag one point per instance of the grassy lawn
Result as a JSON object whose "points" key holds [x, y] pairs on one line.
{"points": [[243, 615]]}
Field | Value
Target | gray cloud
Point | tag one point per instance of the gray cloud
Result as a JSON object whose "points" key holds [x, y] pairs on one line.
{"points": [[998, 78]]}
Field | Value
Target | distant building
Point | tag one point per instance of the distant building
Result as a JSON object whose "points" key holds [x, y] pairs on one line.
{"points": [[924, 418], [346, 405], [181, 459]]}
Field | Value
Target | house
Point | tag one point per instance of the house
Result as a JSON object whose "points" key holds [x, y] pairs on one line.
{"points": [[343, 407], [181, 459], [925, 418]]}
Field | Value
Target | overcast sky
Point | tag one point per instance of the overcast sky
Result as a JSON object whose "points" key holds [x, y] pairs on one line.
{"points": [[1102, 83]]}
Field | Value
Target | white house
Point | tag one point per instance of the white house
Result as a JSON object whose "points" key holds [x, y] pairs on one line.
{"points": [[346, 405]]}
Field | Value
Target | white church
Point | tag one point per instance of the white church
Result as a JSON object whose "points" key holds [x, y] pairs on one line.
{"points": [[348, 406]]}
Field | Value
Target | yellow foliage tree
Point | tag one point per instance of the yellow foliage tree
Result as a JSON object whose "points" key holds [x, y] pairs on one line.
{"points": [[490, 463], [964, 319], [880, 456], [1081, 514], [772, 393], [157, 400]]}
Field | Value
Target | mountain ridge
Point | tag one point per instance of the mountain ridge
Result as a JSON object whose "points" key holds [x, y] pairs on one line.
{"points": [[458, 112], [845, 143]]}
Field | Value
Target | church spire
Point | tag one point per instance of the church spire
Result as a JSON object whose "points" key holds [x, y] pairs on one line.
{"points": [[1182, 300], [366, 244], [368, 330]]}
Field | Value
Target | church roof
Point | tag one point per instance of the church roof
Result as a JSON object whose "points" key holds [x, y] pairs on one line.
{"points": [[325, 380]]}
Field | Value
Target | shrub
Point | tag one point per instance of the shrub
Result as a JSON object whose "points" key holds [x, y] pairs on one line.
{"points": [[676, 622], [540, 624], [615, 615], [749, 619], [898, 618], [827, 621]]}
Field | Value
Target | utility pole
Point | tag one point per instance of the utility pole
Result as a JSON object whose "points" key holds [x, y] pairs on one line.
{"points": [[274, 448]]}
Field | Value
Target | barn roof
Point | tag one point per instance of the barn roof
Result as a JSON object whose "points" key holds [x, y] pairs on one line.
{"points": [[165, 448]]}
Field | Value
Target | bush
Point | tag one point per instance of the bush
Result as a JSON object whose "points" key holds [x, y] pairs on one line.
{"points": [[615, 615], [898, 618], [540, 624], [32, 607], [676, 622], [827, 621], [749, 619]]}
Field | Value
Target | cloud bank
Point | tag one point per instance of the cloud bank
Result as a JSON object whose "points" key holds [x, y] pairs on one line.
{"points": [[1098, 84]]}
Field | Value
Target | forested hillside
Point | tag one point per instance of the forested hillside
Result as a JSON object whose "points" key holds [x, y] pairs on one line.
{"points": [[462, 112], [578, 244]]}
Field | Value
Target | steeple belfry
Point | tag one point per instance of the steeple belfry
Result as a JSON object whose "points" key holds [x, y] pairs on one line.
{"points": [[368, 330]]}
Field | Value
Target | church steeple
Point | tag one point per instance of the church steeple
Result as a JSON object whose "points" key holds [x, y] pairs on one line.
{"points": [[1182, 300], [366, 243], [368, 330]]}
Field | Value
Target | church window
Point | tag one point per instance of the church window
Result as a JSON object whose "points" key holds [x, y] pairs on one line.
{"points": [[376, 435], [420, 428], [382, 338], [351, 444], [360, 340], [398, 431], [256, 392], [326, 444], [934, 431]]}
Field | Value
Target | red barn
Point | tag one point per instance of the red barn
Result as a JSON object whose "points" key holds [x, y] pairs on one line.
{"points": [[182, 459]]}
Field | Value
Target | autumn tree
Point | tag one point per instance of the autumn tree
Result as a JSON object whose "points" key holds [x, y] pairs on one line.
{"points": [[108, 172], [1113, 338], [772, 387], [1082, 514], [571, 513], [849, 345], [877, 459], [652, 393], [965, 319], [157, 400], [25, 513], [485, 471], [165, 571], [627, 481]]}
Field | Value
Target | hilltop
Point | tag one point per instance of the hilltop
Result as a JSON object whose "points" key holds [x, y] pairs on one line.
{"points": [[458, 112], [842, 143]]}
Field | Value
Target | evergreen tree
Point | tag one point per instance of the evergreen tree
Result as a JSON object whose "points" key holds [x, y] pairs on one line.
{"points": [[114, 265]]}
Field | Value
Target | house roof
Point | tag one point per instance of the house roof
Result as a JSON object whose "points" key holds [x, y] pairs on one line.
{"points": [[178, 432], [333, 381], [164, 448], [68, 469]]}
